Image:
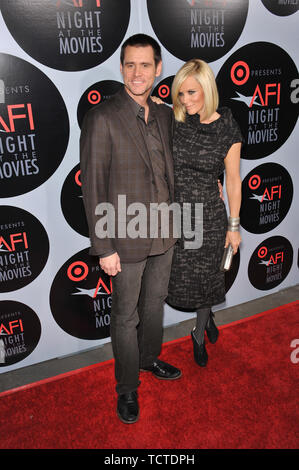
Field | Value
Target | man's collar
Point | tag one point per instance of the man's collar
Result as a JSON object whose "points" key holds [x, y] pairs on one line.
{"points": [[136, 106]]}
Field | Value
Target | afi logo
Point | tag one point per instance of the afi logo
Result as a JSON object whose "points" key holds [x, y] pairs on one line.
{"points": [[79, 270], [10, 327], [240, 73], [274, 259], [26, 113], [273, 190], [269, 193], [267, 92], [75, 3], [13, 239]]}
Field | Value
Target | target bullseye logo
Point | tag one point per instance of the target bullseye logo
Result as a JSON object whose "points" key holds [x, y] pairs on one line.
{"points": [[163, 91], [239, 73], [77, 271], [81, 297], [77, 178], [254, 181], [94, 97], [262, 252]]}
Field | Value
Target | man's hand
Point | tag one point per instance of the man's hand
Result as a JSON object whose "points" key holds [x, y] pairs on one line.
{"points": [[111, 264]]}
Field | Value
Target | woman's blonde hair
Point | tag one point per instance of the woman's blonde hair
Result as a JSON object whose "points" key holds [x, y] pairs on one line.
{"points": [[202, 72]]}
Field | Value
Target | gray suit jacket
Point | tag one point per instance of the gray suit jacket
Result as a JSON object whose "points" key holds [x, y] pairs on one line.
{"points": [[115, 161]]}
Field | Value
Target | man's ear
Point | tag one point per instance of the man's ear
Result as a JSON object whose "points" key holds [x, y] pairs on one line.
{"points": [[159, 69]]}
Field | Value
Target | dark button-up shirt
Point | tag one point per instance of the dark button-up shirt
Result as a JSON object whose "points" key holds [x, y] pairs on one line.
{"points": [[153, 143], [149, 130]]}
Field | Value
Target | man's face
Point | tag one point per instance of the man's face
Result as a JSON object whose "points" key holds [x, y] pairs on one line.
{"points": [[139, 71]]}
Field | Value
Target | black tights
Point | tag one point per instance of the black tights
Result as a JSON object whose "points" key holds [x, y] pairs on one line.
{"points": [[202, 320]]}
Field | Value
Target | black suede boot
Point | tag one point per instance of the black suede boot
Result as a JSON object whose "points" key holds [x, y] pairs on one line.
{"points": [[211, 329], [199, 351]]}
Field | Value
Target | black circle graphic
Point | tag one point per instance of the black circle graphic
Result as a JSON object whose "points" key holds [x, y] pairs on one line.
{"points": [[256, 82], [34, 127], [267, 193], [280, 8], [96, 94], [24, 248], [67, 35], [197, 28], [80, 297], [163, 90], [72, 202], [270, 263], [20, 331]]}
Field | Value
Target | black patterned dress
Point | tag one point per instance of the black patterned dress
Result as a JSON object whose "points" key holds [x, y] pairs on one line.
{"points": [[199, 151]]}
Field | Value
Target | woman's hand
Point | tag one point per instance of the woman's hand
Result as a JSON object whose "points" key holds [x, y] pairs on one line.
{"points": [[220, 187], [234, 239], [157, 100]]}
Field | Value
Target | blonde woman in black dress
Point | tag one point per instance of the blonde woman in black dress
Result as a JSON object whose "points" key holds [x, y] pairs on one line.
{"points": [[206, 141]]}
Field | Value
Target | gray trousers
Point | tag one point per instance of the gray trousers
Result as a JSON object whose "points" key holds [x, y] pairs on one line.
{"points": [[138, 296]]}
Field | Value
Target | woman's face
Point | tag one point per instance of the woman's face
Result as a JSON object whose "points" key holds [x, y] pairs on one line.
{"points": [[191, 96]]}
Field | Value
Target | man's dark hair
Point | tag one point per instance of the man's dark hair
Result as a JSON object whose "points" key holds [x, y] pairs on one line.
{"points": [[141, 40]]}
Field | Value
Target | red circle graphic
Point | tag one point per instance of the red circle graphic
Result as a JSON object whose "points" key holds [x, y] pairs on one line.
{"points": [[76, 267], [240, 76]]}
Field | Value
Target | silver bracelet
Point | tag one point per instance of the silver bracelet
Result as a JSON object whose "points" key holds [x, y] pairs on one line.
{"points": [[233, 224]]}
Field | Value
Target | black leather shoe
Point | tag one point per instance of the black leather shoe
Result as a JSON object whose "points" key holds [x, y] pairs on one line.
{"points": [[162, 370], [212, 330], [127, 407], [199, 351]]}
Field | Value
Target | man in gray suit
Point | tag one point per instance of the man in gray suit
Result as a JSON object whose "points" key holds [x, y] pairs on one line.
{"points": [[125, 151]]}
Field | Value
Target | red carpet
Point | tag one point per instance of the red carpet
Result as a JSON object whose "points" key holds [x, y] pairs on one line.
{"points": [[246, 398]]}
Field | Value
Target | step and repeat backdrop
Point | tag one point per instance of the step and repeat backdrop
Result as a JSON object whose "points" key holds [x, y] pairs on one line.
{"points": [[59, 58]]}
